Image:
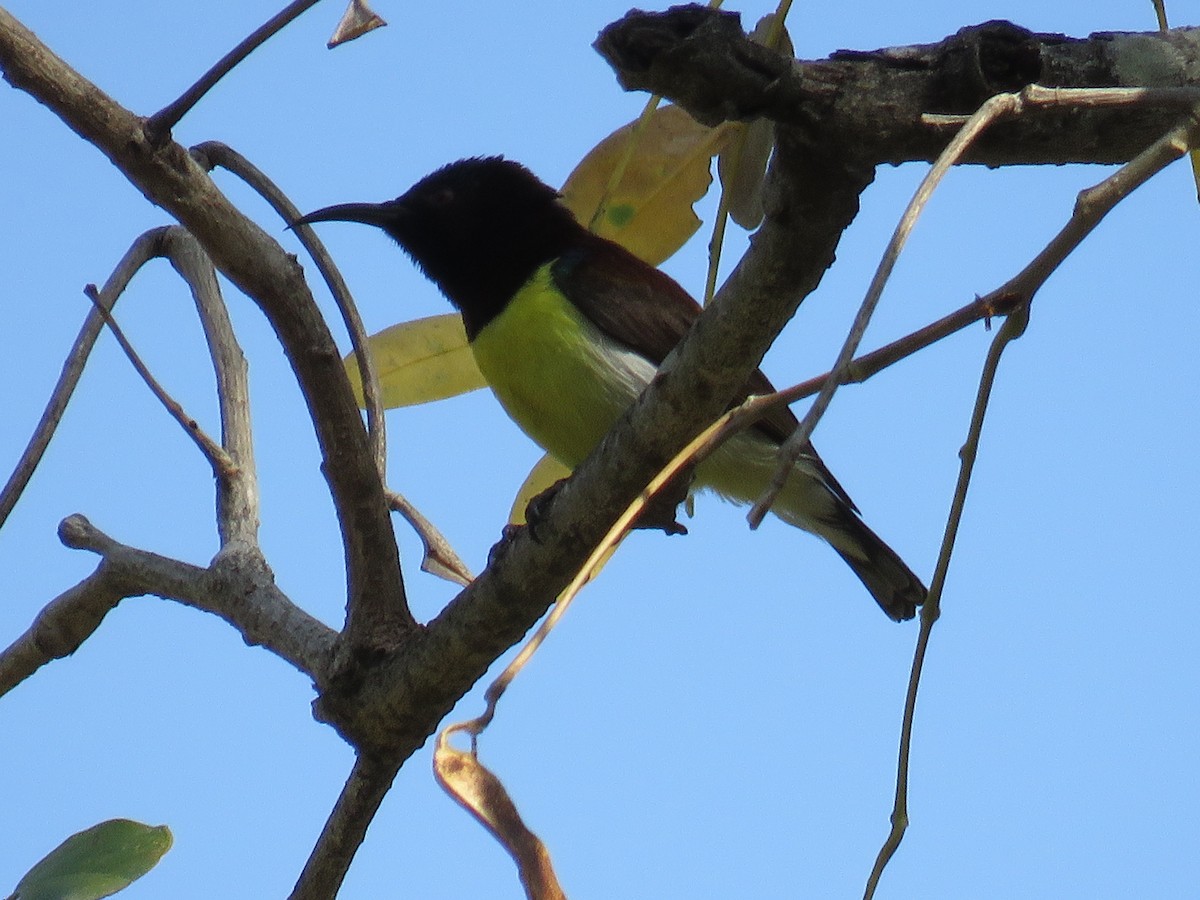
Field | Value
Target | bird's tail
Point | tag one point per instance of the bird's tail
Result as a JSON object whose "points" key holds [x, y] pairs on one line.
{"points": [[892, 583], [813, 501], [881, 570]]}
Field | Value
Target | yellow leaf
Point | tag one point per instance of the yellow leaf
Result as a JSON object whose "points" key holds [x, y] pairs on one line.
{"points": [[420, 361], [650, 210], [547, 472]]}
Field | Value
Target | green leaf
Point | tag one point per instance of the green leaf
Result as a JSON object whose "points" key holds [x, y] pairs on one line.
{"points": [[96, 862]]}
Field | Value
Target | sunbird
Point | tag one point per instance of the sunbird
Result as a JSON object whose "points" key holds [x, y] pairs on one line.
{"points": [[568, 327]]}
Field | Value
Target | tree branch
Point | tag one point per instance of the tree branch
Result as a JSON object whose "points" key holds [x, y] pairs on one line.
{"points": [[440, 558], [213, 153], [243, 595], [237, 491], [144, 249], [377, 611], [60, 628], [237, 587], [159, 125], [702, 60], [221, 464], [345, 829]]}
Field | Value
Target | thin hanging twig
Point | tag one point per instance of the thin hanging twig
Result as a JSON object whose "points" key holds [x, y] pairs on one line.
{"points": [[1090, 208]]}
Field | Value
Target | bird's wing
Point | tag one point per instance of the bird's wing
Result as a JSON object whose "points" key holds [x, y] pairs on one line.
{"points": [[630, 301], [645, 309]]}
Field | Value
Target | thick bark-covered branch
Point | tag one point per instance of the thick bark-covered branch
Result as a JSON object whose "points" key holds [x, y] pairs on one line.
{"points": [[874, 101], [345, 830]]}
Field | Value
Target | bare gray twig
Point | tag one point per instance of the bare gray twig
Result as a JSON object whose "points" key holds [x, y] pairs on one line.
{"points": [[216, 455], [237, 486], [214, 153], [235, 588], [440, 558], [244, 596], [158, 126], [143, 249]]}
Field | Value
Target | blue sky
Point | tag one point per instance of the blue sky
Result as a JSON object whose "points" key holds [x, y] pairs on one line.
{"points": [[718, 714]]}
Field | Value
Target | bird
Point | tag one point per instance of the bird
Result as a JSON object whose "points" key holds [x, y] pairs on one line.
{"points": [[568, 327]]}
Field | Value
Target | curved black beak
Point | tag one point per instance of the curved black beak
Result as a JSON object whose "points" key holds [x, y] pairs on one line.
{"points": [[380, 215]]}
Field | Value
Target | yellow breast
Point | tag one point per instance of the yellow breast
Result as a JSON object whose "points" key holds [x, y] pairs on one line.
{"points": [[559, 378]]}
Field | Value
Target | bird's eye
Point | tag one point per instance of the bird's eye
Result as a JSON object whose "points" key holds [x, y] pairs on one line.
{"points": [[442, 197]]}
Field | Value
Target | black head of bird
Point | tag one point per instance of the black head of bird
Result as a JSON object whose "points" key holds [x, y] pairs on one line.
{"points": [[477, 228]]}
